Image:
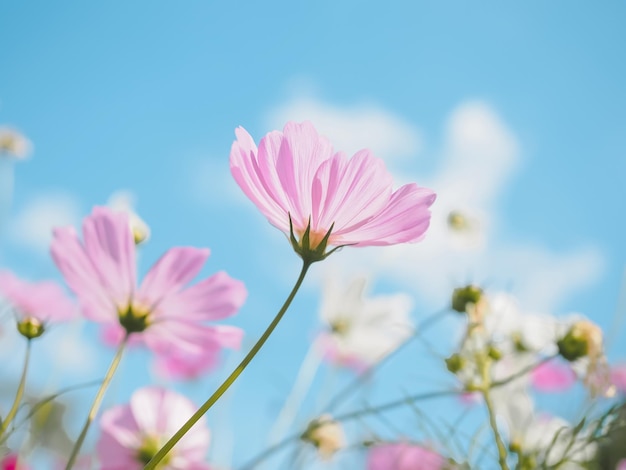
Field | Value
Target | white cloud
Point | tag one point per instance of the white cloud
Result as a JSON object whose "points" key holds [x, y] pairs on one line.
{"points": [[353, 128], [480, 155], [32, 226]]}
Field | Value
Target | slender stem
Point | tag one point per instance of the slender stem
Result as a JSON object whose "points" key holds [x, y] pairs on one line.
{"points": [[95, 406], [502, 455], [19, 394], [231, 378], [348, 417]]}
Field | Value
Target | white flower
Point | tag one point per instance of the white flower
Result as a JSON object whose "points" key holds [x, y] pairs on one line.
{"points": [[362, 330], [14, 144], [515, 330], [124, 201], [548, 440]]}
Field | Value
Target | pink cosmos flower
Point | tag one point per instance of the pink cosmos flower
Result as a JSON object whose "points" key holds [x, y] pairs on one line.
{"points": [[296, 175], [133, 433], [11, 462], [553, 377], [403, 456], [161, 313], [35, 304]]}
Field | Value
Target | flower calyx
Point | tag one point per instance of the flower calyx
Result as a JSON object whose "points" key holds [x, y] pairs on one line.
{"points": [[310, 247], [133, 318]]}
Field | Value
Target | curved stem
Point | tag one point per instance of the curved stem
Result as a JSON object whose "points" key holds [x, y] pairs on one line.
{"points": [[95, 406], [502, 455], [231, 378], [19, 394]]}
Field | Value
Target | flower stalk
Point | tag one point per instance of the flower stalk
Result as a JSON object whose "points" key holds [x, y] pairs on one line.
{"points": [[95, 406], [18, 394], [169, 445]]}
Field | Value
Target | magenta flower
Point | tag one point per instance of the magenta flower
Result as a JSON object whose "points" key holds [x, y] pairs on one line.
{"points": [[35, 304], [11, 462], [294, 177], [133, 433], [161, 313], [403, 456], [553, 377]]}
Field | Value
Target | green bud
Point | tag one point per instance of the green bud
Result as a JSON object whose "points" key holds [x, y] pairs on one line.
{"points": [[455, 363], [494, 353], [463, 296], [30, 328]]}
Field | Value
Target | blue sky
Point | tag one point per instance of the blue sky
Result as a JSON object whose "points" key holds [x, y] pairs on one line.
{"points": [[146, 96]]}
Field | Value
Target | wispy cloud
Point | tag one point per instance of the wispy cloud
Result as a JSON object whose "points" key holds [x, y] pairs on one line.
{"points": [[480, 154], [352, 128], [32, 226]]}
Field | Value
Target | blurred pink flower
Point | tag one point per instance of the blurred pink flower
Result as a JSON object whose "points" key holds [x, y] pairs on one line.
{"points": [[618, 377], [403, 456], [621, 465], [46, 301], [297, 174], [11, 462], [133, 433], [160, 313], [553, 377]]}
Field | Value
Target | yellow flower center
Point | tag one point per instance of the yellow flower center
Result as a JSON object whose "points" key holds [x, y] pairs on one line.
{"points": [[134, 318]]}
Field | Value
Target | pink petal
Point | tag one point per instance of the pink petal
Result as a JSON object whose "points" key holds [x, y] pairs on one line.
{"points": [[405, 219], [618, 377], [171, 272], [81, 275], [553, 377], [352, 191], [401, 456], [43, 300], [258, 179], [214, 298], [178, 363], [110, 246]]}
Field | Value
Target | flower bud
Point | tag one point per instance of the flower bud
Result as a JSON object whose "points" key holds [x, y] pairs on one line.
{"points": [[30, 328], [455, 363], [584, 338], [463, 297], [494, 353], [326, 435]]}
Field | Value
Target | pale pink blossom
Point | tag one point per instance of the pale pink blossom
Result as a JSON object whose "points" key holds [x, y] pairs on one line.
{"points": [[296, 174], [161, 313], [621, 465], [618, 377], [553, 377], [404, 456], [45, 301], [133, 433]]}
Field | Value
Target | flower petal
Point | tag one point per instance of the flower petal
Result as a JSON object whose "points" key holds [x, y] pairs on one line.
{"points": [[174, 269]]}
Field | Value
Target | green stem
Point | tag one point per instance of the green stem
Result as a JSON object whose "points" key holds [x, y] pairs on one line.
{"points": [[18, 395], [160, 455], [502, 455], [95, 406]]}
